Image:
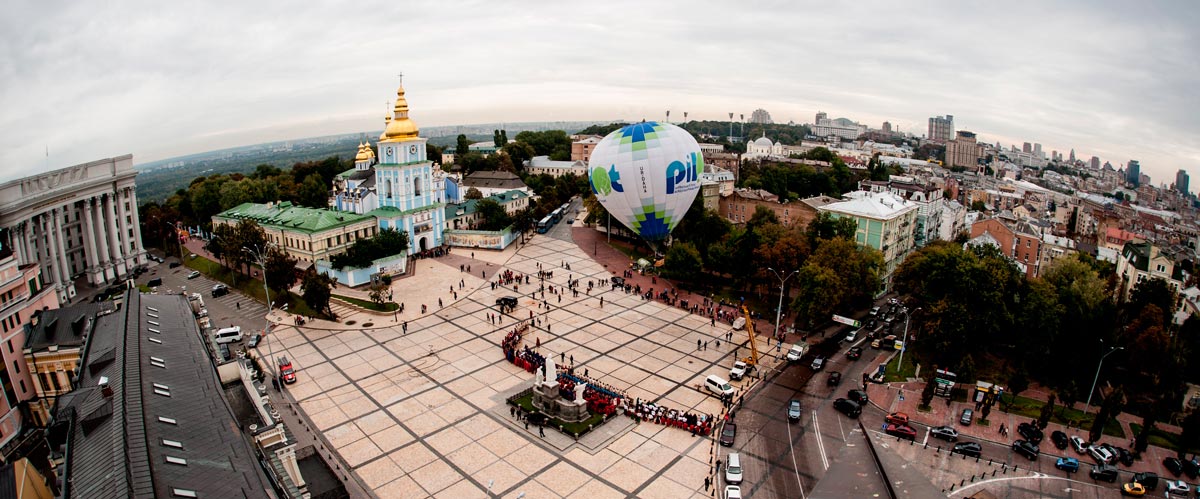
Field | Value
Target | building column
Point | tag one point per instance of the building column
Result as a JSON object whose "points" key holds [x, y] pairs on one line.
{"points": [[95, 272], [14, 240], [63, 261], [95, 206], [114, 240], [52, 244], [139, 249], [123, 236]]}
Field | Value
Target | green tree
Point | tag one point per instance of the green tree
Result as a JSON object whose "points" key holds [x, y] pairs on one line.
{"points": [[313, 192], [492, 215], [387, 242], [1142, 440], [1108, 409], [682, 262], [1017, 383], [553, 143], [520, 152], [315, 289], [827, 226], [1047, 411], [978, 206], [462, 147], [473, 193], [818, 292], [1189, 439], [927, 392], [496, 139], [280, 269], [378, 293]]}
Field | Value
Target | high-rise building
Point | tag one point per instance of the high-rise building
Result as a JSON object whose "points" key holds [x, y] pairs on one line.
{"points": [[1072, 158], [761, 116], [1095, 162], [820, 118], [1181, 181], [1027, 147], [1133, 172], [887, 127], [941, 128], [963, 150], [1037, 151]]}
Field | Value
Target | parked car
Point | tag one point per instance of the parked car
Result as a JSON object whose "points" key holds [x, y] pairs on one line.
{"points": [[1124, 456], [733, 492], [859, 396], [1178, 487], [793, 410], [1106, 472], [1060, 439], [739, 370], [1191, 467], [796, 352], [1078, 444], [1026, 449], [1101, 454], [946, 433], [818, 363], [254, 339], [173, 265], [1148, 480], [154, 283], [1030, 432], [967, 416], [1133, 489], [1068, 464], [854, 353], [901, 430], [193, 274], [728, 434], [220, 290], [733, 468], [969, 449], [848, 407], [874, 311], [898, 418], [287, 371], [834, 378], [1174, 465]]}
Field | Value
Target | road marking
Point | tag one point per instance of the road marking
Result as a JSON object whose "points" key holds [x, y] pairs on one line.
{"points": [[925, 441], [1035, 476], [795, 467], [820, 442]]}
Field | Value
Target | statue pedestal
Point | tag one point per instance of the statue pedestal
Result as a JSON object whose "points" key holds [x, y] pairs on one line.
{"points": [[547, 399]]}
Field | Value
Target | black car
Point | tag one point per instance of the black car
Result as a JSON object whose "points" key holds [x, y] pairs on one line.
{"points": [[507, 301], [1106, 472], [1027, 449], [793, 411], [1030, 432], [728, 433], [848, 407], [1191, 467], [969, 449], [854, 353], [834, 378], [1060, 439], [1124, 456], [858, 396], [617, 281], [1174, 465], [1147, 479], [173, 265]]}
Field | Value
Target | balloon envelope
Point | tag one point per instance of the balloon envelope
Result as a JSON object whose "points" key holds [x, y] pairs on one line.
{"points": [[647, 175]]}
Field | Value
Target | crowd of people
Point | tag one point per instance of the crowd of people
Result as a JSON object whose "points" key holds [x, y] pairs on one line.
{"points": [[639, 410], [432, 253]]}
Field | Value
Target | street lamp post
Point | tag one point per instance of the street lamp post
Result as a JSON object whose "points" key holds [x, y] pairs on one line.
{"points": [[1097, 378], [259, 256], [903, 347], [779, 308]]}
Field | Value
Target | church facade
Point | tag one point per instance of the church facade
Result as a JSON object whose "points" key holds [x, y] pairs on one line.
{"points": [[396, 183]]}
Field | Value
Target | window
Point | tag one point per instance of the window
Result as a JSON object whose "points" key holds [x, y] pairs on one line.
{"points": [[389, 189], [177, 492], [417, 186]]}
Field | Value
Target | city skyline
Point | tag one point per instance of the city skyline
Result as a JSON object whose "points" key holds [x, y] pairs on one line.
{"points": [[162, 81]]}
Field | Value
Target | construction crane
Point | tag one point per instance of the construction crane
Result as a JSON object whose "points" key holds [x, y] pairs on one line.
{"points": [[752, 360]]}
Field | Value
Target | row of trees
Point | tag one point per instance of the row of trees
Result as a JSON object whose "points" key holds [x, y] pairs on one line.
{"points": [[383, 244], [976, 309]]}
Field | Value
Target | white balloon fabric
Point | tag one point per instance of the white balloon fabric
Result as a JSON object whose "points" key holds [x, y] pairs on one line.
{"points": [[647, 175]]}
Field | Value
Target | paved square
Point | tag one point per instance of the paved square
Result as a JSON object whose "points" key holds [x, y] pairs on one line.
{"points": [[422, 414]]}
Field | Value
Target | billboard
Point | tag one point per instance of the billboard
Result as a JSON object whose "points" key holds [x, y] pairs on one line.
{"points": [[847, 321]]}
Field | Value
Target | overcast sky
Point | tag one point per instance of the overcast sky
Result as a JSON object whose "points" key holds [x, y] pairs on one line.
{"points": [[91, 80]]}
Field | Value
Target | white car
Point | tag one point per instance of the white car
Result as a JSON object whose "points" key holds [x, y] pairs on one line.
{"points": [[1178, 487], [733, 492], [1078, 444], [739, 370], [1100, 454], [733, 469]]}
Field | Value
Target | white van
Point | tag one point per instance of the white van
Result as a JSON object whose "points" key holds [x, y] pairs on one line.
{"points": [[718, 385], [733, 468], [852, 336], [228, 335]]}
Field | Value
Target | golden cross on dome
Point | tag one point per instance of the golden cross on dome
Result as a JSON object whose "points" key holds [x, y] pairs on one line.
{"points": [[401, 76]]}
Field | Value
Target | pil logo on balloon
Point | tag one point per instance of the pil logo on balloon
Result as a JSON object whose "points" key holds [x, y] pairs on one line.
{"points": [[679, 173], [604, 183]]}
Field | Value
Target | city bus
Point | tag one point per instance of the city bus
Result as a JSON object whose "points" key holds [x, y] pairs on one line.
{"points": [[556, 215], [545, 224]]}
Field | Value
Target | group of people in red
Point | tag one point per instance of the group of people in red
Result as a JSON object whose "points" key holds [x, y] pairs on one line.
{"points": [[639, 410]]}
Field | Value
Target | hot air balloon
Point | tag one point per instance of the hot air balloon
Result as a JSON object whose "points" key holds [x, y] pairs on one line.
{"points": [[647, 175]]}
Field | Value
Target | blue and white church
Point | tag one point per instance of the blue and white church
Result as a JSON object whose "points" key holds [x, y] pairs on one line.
{"points": [[398, 184]]}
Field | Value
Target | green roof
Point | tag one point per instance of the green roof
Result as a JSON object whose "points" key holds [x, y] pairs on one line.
{"points": [[287, 216], [393, 212], [347, 173]]}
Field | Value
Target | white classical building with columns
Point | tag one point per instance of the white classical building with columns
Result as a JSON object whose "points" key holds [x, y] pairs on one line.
{"points": [[76, 221]]}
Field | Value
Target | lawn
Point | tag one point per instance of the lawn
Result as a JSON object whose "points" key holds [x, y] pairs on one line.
{"points": [[1159, 437], [907, 370], [368, 304], [249, 286], [1032, 408]]}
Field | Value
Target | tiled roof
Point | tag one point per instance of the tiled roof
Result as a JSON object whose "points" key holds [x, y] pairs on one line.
{"points": [[63, 326], [468, 206], [493, 180], [287, 216]]}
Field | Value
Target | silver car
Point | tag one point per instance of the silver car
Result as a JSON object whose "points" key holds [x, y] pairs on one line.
{"points": [[946, 433]]}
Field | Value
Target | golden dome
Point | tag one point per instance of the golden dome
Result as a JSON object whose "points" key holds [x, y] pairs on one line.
{"points": [[400, 127], [364, 153]]}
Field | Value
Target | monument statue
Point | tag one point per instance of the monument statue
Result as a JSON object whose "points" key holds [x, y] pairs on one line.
{"points": [[549, 373], [579, 389]]}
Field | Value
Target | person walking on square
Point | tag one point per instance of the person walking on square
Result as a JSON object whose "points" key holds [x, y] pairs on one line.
{"points": [[541, 430], [707, 483], [698, 342]]}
